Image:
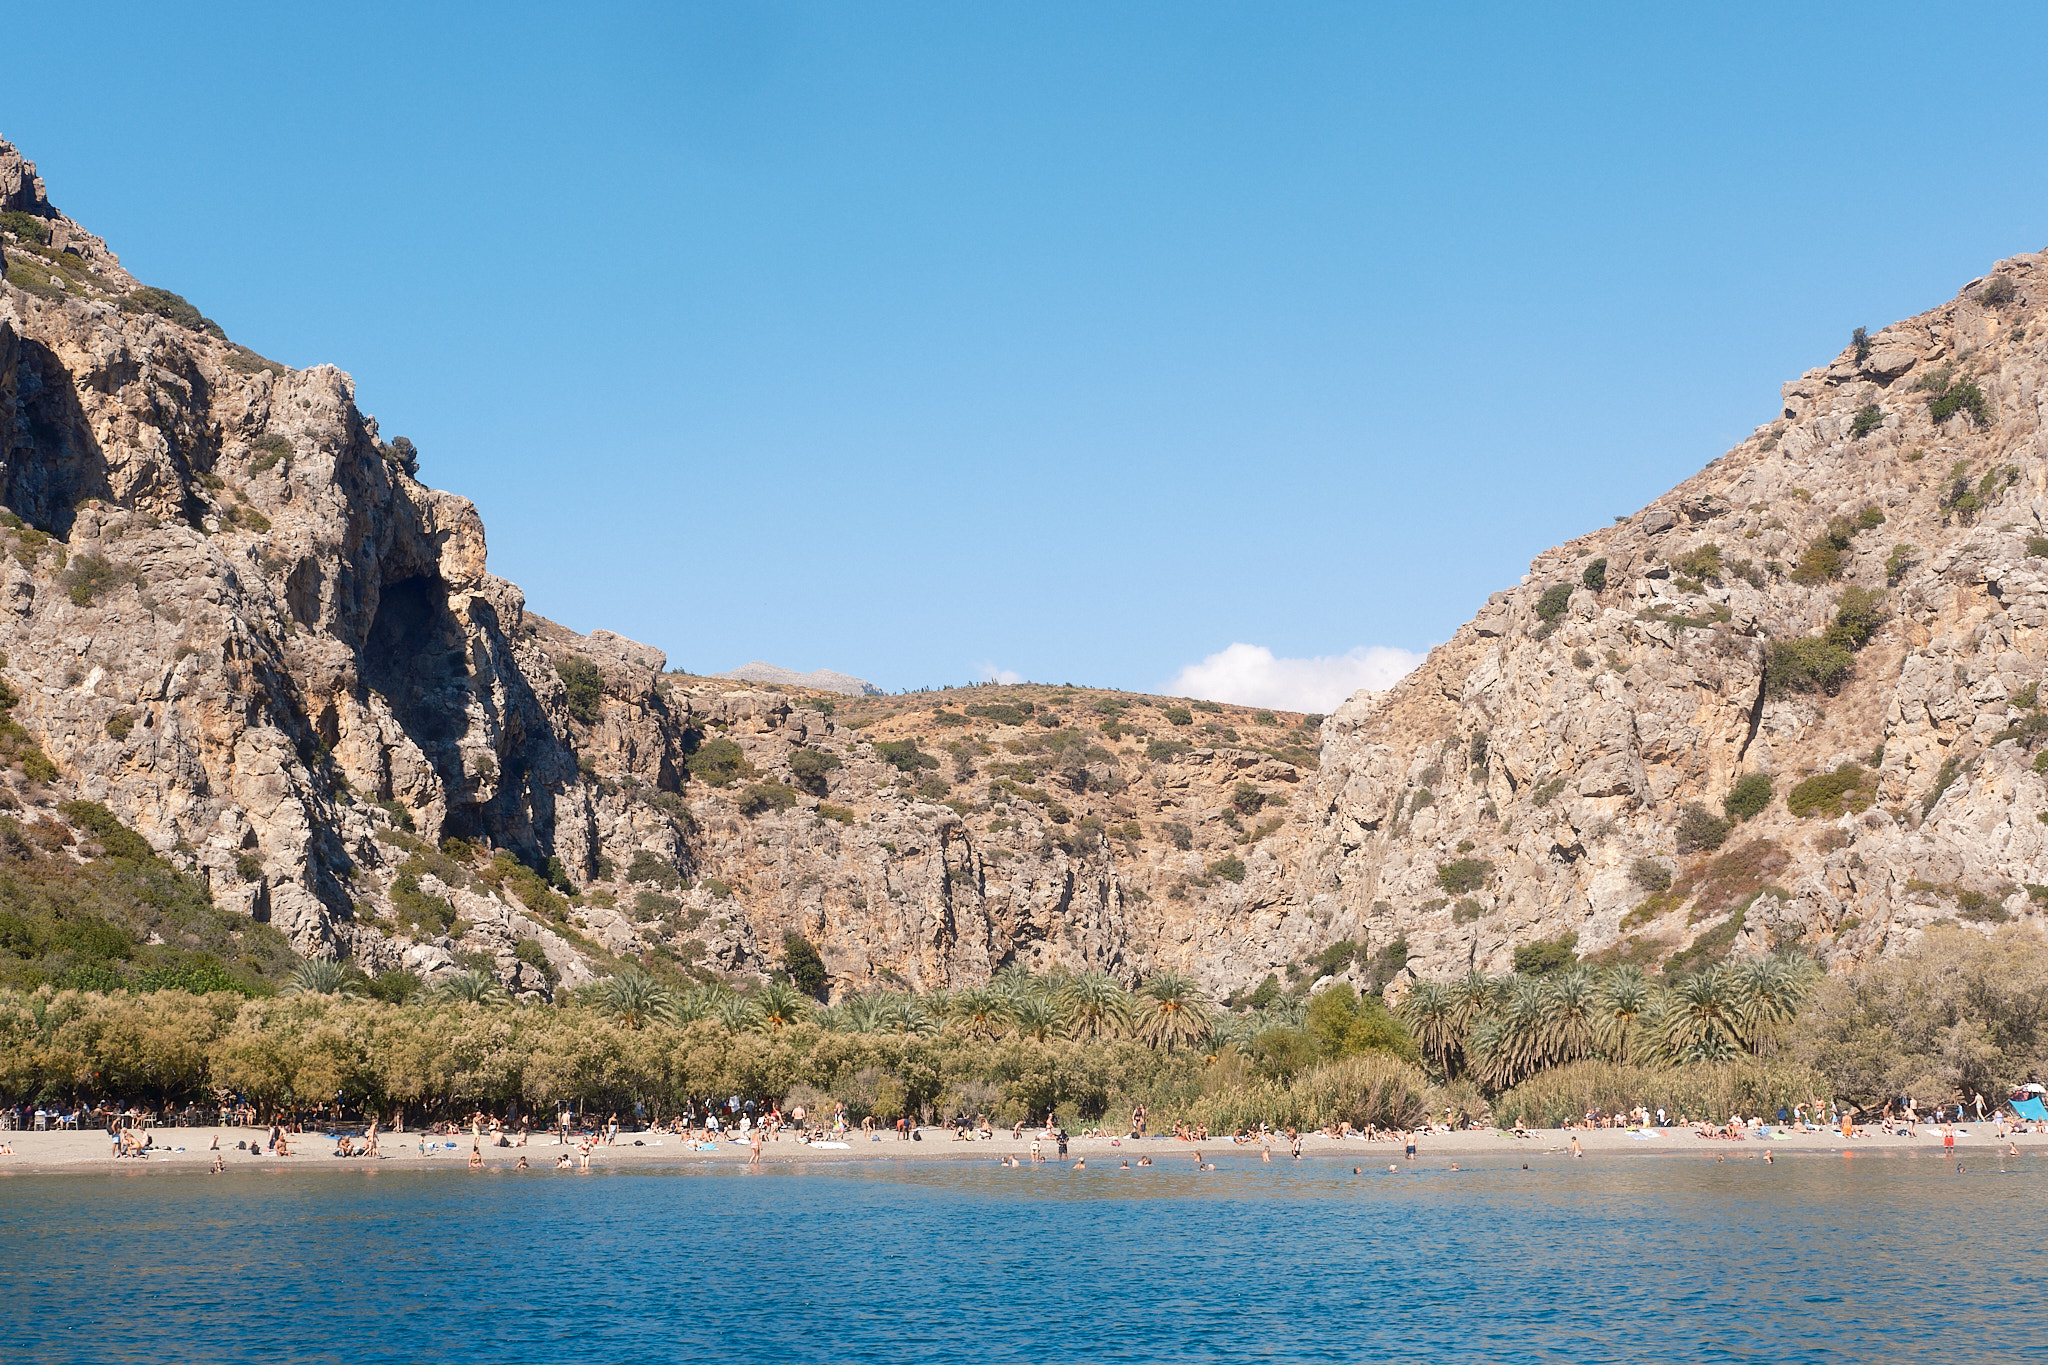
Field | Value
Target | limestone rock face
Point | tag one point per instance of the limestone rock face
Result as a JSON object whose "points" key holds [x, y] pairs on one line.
{"points": [[236, 617], [1559, 739], [232, 612]]}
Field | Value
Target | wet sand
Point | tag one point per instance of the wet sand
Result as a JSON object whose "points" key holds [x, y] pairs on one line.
{"points": [[187, 1149]]}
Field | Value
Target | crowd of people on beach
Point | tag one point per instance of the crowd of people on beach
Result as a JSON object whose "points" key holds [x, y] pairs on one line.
{"points": [[713, 1124]]}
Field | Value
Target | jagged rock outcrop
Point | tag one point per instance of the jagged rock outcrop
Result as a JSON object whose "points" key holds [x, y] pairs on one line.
{"points": [[237, 618], [1562, 733], [233, 613]]}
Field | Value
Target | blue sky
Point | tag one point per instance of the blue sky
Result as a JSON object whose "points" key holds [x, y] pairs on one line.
{"points": [[1078, 343]]}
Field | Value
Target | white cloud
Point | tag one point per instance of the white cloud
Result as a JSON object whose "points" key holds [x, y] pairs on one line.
{"points": [[1249, 675], [990, 673]]}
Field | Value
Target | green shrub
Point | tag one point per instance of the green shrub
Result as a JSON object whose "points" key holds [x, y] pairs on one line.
{"points": [[1806, 665], [1700, 830], [1749, 797], [26, 226], [585, 687], [843, 814], [1868, 419], [1467, 910], [1230, 868], [270, 448], [1247, 799], [805, 965], [1595, 575], [1848, 788], [120, 725], [1462, 876], [94, 819], [1822, 560], [90, 577], [1553, 602], [1997, 292], [1870, 518], [529, 951], [648, 867], [1952, 768], [1178, 834], [761, 797], [1548, 792], [1954, 397], [1703, 562], [810, 766], [1547, 955], [1650, 875], [1859, 342], [1002, 713], [248, 867], [164, 304], [1858, 614], [2037, 546], [720, 763], [1902, 559], [1264, 718], [1160, 750], [718, 889], [904, 755], [1178, 715]]}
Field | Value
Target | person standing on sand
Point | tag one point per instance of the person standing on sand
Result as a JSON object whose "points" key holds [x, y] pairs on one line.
{"points": [[1948, 1140]]}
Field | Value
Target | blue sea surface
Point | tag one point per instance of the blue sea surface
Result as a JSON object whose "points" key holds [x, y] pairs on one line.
{"points": [[1673, 1257]]}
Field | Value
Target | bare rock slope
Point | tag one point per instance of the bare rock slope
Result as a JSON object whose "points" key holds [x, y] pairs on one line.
{"points": [[234, 615], [1793, 702]]}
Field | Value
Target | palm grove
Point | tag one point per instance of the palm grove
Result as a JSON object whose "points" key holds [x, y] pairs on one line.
{"points": [[118, 979]]}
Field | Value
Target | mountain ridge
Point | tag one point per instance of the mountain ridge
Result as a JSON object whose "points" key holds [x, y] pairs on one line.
{"points": [[234, 615]]}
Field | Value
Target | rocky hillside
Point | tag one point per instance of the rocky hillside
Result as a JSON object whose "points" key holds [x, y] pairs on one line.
{"points": [[1793, 702], [234, 616]]}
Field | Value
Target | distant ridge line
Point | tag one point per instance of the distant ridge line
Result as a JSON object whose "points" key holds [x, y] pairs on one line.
{"points": [[823, 679]]}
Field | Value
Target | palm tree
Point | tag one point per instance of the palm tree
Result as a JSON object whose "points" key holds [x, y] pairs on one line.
{"points": [[635, 999], [1034, 1016], [781, 1004], [470, 988], [1571, 1016], [1770, 991], [862, 1014], [1509, 1043], [323, 977], [980, 1011], [1172, 1010], [1434, 1014], [1095, 1006], [739, 1014], [699, 1002], [1476, 993], [1625, 997], [903, 1014], [1703, 1018]]}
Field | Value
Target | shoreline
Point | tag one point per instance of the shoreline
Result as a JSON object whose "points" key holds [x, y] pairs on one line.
{"points": [[188, 1149]]}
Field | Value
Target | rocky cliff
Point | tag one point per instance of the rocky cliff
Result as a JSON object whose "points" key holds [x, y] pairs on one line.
{"points": [[1793, 702], [234, 615]]}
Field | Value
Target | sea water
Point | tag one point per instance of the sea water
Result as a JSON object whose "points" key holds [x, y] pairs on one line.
{"points": [[1648, 1257]]}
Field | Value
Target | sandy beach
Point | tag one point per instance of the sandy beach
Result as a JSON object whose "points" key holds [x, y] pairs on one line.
{"points": [[188, 1149]]}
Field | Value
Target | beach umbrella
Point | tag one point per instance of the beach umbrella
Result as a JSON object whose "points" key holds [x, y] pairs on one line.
{"points": [[2035, 1087]]}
